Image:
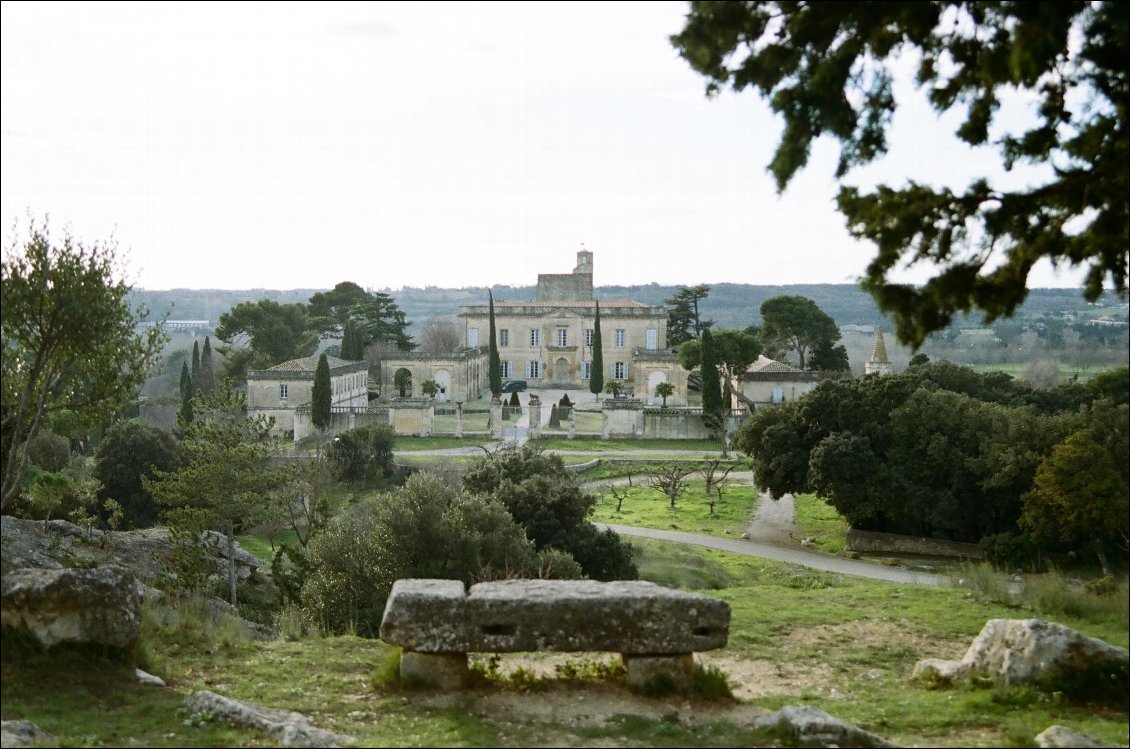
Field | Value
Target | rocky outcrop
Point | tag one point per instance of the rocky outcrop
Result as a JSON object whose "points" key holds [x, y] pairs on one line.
{"points": [[806, 726], [1061, 737], [287, 727], [99, 606], [1021, 651], [631, 617], [31, 543], [23, 733]]}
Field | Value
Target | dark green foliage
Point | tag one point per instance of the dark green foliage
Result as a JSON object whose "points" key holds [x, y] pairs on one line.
{"points": [[1113, 384], [351, 347], [423, 530], [918, 359], [684, 321], [129, 451], [290, 569], [207, 380], [380, 320], [935, 451], [596, 376], [49, 451], [547, 501], [711, 387], [794, 325], [195, 371], [495, 371], [185, 414], [331, 310], [321, 397], [828, 69], [363, 454], [273, 332], [734, 351]]}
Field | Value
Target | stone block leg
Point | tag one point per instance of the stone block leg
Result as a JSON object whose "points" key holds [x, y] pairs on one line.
{"points": [[440, 670], [652, 670]]}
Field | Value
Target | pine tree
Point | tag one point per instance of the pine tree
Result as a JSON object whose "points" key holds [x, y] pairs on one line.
{"points": [[321, 398], [495, 376], [711, 389], [596, 377], [207, 382]]}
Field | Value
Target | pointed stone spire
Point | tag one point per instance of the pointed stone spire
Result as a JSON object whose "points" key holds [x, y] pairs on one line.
{"points": [[878, 363]]}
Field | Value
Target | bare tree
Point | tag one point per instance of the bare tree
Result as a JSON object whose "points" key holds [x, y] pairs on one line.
{"points": [[671, 480], [619, 493], [439, 335], [715, 476]]}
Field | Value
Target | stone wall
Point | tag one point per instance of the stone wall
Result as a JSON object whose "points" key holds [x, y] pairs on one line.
{"points": [[893, 543], [341, 420]]}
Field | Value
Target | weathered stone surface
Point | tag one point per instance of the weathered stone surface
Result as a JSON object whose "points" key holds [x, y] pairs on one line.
{"points": [[645, 670], [148, 678], [426, 615], [1061, 737], [942, 671], [23, 733], [442, 670], [557, 615], [1017, 651], [811, 727], [100, 606], [289, 728]]}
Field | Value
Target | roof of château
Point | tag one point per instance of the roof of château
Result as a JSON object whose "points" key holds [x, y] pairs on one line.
{"points": [[305, 367], [770, 369], [879, 353]]}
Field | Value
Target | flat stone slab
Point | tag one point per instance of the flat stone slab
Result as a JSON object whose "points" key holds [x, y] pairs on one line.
{"points": [[631, 617]]}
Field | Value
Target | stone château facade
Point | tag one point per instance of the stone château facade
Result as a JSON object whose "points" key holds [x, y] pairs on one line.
{"points": [[277, 391]]}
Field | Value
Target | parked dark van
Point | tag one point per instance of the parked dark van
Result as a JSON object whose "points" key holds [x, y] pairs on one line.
{"points": [[514, 386]]}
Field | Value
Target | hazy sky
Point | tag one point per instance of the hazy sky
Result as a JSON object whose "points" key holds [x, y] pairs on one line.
{"points": [[412, 144]]}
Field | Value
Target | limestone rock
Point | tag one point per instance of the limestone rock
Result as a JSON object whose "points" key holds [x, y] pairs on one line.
{"points": [[289, 728], [942, 671], [100, 606], [147, 678], [1061, 737], [23, 733], [811, 727], [1017, 651], [631, 617]]}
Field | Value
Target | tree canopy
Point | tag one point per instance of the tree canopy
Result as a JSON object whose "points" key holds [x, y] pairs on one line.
{"points": [[274, 332], [68, 340], [829, 69], [321, 397], [795, 325], [684, 322]]}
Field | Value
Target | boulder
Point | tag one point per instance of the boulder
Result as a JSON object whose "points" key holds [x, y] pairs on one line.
{"points": [[1017, 651], [630, 617], [940, 671], [287, 727], [807, 726], [1062, 737], [99, 606], [23, 733]]}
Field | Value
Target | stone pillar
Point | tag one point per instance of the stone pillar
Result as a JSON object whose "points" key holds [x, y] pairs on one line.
{"points": [[458, 418], [496, 418], [644, 670], [427, 418], [534, 404], [441, 670], [572, 423]]}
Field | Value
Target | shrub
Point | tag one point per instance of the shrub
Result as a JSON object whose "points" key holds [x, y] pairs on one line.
{"points": [[130, 451], [363, 454], [421, 530], [49, 451]]}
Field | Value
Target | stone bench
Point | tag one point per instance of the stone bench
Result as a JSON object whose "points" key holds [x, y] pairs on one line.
{"points": [[657, 630]]}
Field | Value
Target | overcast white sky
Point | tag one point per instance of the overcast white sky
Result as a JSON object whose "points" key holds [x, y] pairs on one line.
{"points": [[416, 144]]}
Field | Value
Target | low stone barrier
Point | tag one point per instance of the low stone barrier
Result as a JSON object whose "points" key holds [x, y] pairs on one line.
{"points": [[893, 543], [657, 630]]}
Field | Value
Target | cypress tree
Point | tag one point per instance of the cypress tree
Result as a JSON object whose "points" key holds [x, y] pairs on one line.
{"points": [[185, 416], [195, 373], [321, 398], [711, 389], [348, 339], [207, 382], [495, 372], [596, 376]]}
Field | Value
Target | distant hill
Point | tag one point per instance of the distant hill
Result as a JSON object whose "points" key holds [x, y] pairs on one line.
{"points": [[729, 305]]}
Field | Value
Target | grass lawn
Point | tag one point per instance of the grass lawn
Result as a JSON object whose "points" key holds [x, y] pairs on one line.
{"points": [[709, 448], [650, 508], [819, 521], [797, 636]]}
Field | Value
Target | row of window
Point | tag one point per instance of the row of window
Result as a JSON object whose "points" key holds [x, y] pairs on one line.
{"points": [[561, 337], [340, 385], [534, 370]]}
